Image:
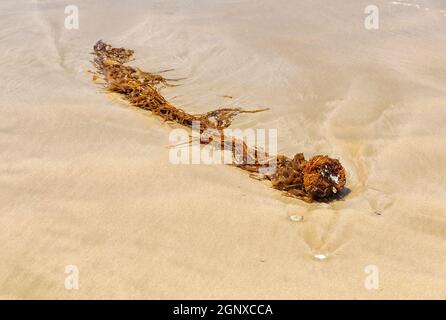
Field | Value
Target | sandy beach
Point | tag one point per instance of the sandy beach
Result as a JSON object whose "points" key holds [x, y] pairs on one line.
{"points": [[86, 181]]}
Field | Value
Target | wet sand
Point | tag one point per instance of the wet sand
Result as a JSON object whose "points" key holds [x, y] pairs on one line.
{"points": [[86, 180]]}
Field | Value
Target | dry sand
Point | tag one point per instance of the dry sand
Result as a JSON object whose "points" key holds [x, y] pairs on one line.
{"points": [[86, 181]]}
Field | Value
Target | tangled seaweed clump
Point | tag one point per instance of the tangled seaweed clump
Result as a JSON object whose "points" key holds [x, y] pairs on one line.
{"points": [[320, 178]]}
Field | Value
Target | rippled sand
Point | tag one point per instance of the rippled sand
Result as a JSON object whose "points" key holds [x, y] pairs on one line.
{"points": [[86, 181]]}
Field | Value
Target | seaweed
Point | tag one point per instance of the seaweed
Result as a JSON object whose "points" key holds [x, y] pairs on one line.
{"points": [[320, 178]]}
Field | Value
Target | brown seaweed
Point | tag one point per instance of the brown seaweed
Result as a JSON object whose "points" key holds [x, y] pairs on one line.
{"points": [[320, 178]]}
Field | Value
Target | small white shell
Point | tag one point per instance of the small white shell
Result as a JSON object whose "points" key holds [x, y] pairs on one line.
{"points": [[320, 256], [296, 218]]}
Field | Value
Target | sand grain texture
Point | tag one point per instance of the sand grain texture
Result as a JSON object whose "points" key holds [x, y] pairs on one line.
{"points": [[85, 180]]}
